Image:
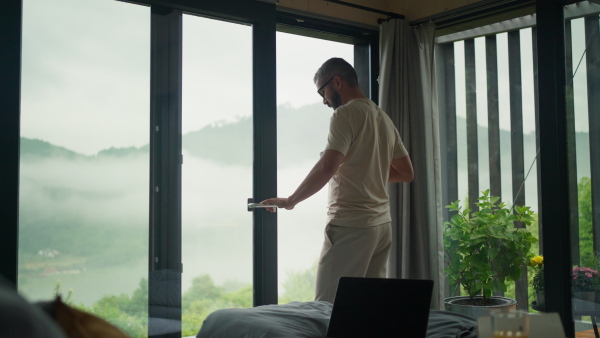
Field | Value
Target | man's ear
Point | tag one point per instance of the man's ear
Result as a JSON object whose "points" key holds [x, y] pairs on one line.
{"points": [[338, 81]]}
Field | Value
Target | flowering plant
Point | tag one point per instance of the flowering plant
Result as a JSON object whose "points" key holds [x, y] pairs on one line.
{"points": [[584, 279], [538, 278]]}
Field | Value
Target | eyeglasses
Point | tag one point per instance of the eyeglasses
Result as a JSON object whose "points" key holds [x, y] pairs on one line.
{"points": [[323, 86]]}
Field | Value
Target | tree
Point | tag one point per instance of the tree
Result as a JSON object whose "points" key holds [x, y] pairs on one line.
{"points": [[586, 240], [300, 286], [203, 288]]}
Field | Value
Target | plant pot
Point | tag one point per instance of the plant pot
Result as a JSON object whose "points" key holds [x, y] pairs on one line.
{"points": [[540, 298], [584, 301], [460, 304]]}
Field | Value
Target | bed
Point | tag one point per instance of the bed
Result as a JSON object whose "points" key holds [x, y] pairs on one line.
{"points": [[310, 319]]}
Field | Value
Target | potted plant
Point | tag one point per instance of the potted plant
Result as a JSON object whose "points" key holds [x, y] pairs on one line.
{"points": [[485, 249], [584, 283], [538, 280]]}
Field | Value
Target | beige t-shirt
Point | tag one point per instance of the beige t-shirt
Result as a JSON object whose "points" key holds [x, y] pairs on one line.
{"points": [[369, 141]]}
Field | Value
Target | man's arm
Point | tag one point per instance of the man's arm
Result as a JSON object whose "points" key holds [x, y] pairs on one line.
{"points": [[320, 174], [401, 170]]}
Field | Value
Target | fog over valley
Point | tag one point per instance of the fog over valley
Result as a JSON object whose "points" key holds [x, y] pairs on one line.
{"points": [[84, 219]]}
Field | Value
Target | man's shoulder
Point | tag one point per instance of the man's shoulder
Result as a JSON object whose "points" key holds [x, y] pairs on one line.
{"points": [[357, 106]]}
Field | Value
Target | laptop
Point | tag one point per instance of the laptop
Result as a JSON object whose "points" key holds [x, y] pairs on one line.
{"points": [[380, 307]]}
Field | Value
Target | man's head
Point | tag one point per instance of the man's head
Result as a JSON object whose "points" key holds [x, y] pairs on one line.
{"points": [[336, 81]]}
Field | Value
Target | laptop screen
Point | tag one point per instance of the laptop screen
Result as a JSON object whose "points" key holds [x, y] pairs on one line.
{"points": [[380, 307]]}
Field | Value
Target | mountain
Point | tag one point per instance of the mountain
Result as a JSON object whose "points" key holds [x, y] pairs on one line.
{"points": [[124, 152], [300, 132], [226, 144], [43, 149], [38, 149], [529, 146]]}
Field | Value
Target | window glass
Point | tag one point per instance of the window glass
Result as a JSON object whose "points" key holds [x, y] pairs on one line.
{"points": [[217, 168], [529, 126], [83, 222], [461, 122], [582, 109], [582, 42], [512, 182], [482, 111], [302, 128], [579, 86], [504, 118]]}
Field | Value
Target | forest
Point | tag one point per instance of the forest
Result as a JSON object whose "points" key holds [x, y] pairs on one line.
{"points": [[130, 312]]}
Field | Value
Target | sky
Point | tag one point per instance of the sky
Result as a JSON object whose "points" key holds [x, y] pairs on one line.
{"points": [[579, 81], [86, 72]]}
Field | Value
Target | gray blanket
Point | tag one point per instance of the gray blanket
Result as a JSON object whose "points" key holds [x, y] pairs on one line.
{"points": [[311, 319]]}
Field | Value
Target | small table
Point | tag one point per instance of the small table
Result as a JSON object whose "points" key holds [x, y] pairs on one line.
{"points": [[591, 313]]}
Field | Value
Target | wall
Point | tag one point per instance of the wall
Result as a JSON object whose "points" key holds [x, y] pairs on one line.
{"points": [[411, 9]]}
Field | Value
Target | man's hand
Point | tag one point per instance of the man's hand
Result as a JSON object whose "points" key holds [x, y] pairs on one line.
{"points": [[279, 202], [322, 172]]}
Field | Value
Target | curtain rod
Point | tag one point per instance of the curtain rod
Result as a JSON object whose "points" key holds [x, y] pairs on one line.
{"points": [[391, 15]]}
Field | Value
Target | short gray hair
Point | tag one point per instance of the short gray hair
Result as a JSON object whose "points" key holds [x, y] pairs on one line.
{"points": [[337, 67]]}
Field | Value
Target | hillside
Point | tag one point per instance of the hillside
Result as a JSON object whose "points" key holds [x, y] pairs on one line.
{"points": [[88, 215], [299, 131]]}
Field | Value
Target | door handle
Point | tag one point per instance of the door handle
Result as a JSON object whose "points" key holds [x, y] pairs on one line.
{"points": [[252, 205]]}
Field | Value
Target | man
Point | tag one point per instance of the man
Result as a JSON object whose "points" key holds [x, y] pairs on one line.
{"points": [[364, 152]]}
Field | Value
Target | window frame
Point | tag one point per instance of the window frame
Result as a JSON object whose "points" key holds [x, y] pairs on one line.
{"points": [[165, 225], [165, 127], [557, 181], [10, 86]]}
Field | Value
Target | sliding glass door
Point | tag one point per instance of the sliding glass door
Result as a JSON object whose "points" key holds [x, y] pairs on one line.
{"points": [[115, 97], [302, 128], [217, 168], [212, 148]]}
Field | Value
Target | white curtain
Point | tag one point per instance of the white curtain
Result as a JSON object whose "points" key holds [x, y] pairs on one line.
{"points": [[407, 93]]}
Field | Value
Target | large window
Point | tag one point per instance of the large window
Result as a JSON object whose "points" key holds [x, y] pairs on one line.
{"points": [[495, 113], [83, 223], [582, 41], [581, 85], [494, 122], [144, 131], [302, 128], [489, 122]]}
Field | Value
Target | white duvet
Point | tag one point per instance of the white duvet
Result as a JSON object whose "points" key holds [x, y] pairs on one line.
{"points": [[311, 319]]}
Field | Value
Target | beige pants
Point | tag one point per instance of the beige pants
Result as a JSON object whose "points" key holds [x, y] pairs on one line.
{"points": [[352, 252]]}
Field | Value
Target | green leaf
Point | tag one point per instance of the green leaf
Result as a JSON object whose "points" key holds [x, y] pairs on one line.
{"points": [[515, 274], [485, 248]]}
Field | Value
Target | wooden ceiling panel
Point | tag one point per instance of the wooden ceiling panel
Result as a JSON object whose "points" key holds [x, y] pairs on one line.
{"points": [[411, 9]]}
